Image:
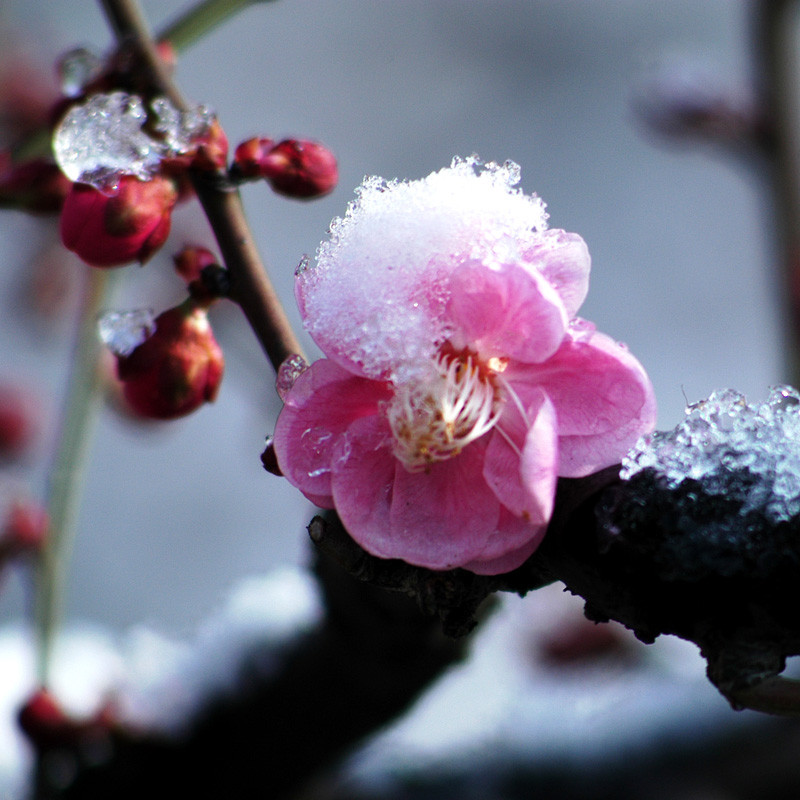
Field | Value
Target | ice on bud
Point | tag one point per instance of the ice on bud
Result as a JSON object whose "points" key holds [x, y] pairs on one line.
{"points": [[123, 331], [103, 139], [176, 369], [76, 69], [290, 370]]}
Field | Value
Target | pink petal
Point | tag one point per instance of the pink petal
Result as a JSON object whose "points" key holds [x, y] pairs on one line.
{"points": [[522, 459], [362, 480], [509, 560], [602, 396], [321, 405], [564, 260], [437, 518], [506, 311]]}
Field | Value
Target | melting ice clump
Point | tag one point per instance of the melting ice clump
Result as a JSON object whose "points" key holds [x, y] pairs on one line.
{"points": [[747, 453], [123, 331], [717, 497], [102, 139], [377, 293]]}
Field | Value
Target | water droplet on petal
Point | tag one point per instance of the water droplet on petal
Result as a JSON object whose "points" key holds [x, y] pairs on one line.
{"points": [[123, 331], [76, 69], [290, 370], [303, 266]]}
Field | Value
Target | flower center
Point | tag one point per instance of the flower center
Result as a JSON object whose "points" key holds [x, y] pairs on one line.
{"points": [[434, 419]]}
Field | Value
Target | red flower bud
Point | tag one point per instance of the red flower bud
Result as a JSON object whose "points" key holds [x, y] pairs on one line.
{"points": [[189, 263], [49, 727], [24, 528], [175, 370], [130, 224], [248, 156], [38, 186], [18, 421], [212, 149], [293, 167]]}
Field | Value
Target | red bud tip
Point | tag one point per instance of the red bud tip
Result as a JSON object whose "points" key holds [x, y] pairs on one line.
{"points": [[49, 727], [130, 224], [25, 527], [300, 169], [37, 186], [177, 369], [269, 460], [18, 421], [189, 263]]}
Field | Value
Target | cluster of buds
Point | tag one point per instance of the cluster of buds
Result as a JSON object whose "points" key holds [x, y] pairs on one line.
{"points": [[293, 167]]}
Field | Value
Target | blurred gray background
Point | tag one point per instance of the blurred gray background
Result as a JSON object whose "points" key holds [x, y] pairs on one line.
{"points": [[680, 240]]}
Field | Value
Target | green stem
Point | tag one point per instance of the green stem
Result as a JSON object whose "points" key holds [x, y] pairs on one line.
{"points": [[66, 476], [200, 20]]}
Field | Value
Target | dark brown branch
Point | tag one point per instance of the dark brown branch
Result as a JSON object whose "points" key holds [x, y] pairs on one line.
{"points": [[250, 284], [293, 713]]}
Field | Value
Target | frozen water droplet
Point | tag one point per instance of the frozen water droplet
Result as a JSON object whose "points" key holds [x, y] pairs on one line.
{"points": [[100, 140], [291, 369], [76, 69], [123, 331], [303, 266], [581, 329], [179, 129]]}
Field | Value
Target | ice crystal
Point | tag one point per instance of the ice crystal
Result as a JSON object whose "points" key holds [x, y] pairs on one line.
{"points": [[747, 453], [289, 371], [388, 258], [123, 331], [102, 139]]}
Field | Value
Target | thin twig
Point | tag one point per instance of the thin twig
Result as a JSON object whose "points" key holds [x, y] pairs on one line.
{"points": [[199, 20], [775, 61], [251, 286], [66, 475]]}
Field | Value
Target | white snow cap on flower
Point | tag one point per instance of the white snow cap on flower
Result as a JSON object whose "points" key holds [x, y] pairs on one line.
{"points": [[374, 286]]}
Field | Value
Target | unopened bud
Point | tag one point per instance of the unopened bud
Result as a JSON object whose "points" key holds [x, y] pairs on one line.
{"points": [[212, 149], [25, 528], [248, 156], [294, 167], [49, 727], [176, 369], [201, 270], [128, 224], [37, 186], [18, 421]]}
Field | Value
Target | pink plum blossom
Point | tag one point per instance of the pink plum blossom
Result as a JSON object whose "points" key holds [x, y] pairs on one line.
{"points": [[458, 383]]}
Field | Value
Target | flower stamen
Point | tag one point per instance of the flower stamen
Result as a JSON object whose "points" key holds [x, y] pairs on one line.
{"points": [[434, 419]]}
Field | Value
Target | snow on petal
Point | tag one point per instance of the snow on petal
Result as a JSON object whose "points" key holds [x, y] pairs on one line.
{"points": [[377, 293]]}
